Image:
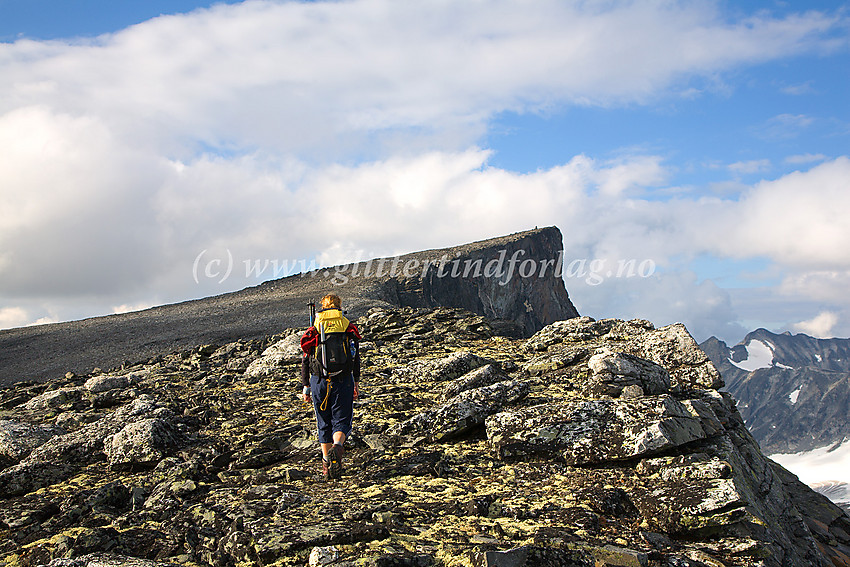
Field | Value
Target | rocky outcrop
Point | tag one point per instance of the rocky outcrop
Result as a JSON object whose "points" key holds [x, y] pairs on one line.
{"points": [[463, 412], [586, 432], [590, 443], [126, 436], [513, 280]]}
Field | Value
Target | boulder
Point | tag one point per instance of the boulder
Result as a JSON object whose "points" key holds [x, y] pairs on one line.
{"points": [[62, 398], [444, 369], [595, 431], [105, 383], [464, 412], [684, 504], [568, 331], [612, 372], [275, 358], [481, 376], [17, 439], [144, 443], [670, 347], [62, 455], [673, 348]]}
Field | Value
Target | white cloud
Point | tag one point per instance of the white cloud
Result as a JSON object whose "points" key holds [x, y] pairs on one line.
{"points": [[752, 166], [800, 159], [798, 89], [819, 285], [784, 126], [75, 213], [13, 317], [126, 308], [307, 76], [796, 220], [820, 326]]}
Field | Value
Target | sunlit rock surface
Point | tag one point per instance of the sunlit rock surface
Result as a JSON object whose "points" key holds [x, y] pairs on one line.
{"points": [[590, 443]]}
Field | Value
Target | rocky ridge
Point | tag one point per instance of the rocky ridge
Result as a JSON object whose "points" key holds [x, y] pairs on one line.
{"points": [[590, 443], [513, 280]]}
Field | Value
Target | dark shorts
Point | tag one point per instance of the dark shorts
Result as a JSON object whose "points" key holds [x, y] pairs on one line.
{"points": [[339, 410]]}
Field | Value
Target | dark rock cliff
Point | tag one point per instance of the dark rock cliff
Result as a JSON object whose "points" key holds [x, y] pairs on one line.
{"points": [[515, 279], [511, 279]]}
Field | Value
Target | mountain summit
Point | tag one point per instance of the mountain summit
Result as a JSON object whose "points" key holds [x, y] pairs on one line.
{"points": [[513, 280]]}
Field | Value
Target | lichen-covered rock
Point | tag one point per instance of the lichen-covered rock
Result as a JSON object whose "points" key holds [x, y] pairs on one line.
{"points": [[17, 439], [594, 431], [691, 504], [440, 370], [463, 412], [671, 478], [276, 357], [62, 398], [83, 445], [482, 376], [673, 348], [552, 362], [670, 347], [107, 382], [107, 560], [323, 556], [62, 455], [614, 371], [568, 331], [144, 442], [622, 557]]}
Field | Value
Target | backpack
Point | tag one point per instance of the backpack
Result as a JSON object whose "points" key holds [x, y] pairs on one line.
{"points": [[335, 355]]}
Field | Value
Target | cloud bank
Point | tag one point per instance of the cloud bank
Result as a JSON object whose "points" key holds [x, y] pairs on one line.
{"points": [[234, 128]]}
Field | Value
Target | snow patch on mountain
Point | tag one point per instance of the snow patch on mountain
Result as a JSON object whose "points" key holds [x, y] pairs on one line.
{"points": [[794, 395], [759, 355], [825, 465], [838, 492]]}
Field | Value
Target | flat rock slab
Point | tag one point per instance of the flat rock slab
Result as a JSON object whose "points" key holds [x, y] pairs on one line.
{"points": [[689, 504], [440, 370], [478, 378], [595, 431]]}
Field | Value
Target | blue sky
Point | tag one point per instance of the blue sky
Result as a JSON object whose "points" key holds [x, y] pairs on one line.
{"points": [[710, 139]]}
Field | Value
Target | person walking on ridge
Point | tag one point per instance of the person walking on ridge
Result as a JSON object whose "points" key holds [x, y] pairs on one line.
{"points": [[330, 372]]}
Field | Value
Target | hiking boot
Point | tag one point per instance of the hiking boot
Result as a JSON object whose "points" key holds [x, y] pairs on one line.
{"points": [[326, 472], [335, 461]]}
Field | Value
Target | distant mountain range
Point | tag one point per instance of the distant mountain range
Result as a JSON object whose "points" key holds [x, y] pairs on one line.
{"points": [[793, 391]]}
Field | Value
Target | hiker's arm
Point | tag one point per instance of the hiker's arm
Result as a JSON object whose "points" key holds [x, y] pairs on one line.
{"points": [[305, 371], [308, 344], [355, 370], [305, 377]]}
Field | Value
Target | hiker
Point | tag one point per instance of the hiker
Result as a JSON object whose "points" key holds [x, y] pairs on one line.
{"points": [[330, 373]]}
